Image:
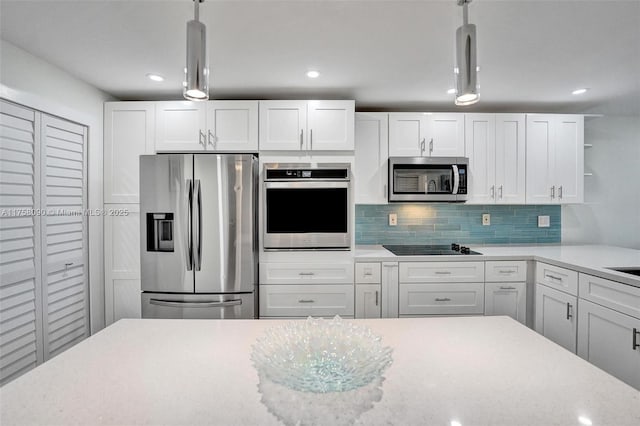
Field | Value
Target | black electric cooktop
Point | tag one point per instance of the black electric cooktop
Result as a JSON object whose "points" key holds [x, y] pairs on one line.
{"points": [[428, 250]]}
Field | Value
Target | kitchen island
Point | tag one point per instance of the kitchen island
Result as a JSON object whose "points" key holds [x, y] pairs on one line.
{"points": [[470, 370]]}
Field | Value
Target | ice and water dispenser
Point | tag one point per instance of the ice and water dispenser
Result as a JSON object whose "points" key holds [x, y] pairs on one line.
{"points": [[160, 232]]}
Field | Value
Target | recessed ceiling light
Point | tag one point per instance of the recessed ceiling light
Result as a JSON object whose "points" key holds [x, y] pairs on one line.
{"points": [[585, 421], [579, 91], [155, 77], [313, 74], [451, 91], [455, 423]]}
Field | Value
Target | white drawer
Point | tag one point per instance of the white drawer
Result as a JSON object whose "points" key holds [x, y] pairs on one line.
{"points": [[507, 271], [559, 278], [306, 300], [438, 272], [368, 273], [438, 299], [620, 297], [299, 273]]}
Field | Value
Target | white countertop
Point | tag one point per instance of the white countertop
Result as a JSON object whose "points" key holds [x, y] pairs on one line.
{"points": [[590, 259], [475, 370]]}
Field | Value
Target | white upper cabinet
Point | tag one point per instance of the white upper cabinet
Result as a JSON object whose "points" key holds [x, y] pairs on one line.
{"points": [[307, 125], [128, 133], [232, 126], [495, 145], [185, 126], [371, 154], [426, 134], [181, 126], [555, 159]]}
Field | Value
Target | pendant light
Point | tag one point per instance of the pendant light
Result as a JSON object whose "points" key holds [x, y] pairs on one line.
{"points": [[466, 71], [196, 81]]}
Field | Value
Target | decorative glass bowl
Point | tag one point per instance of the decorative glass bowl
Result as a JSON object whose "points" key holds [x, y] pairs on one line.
{"points": [[320, 355]]}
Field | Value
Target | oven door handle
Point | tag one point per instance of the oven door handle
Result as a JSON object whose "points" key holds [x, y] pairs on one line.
{"points": [[307, 184], [456, 179]]}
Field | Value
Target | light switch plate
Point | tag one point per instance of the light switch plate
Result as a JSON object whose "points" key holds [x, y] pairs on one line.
{"points": [[544, 222], [486, 219], [393, 219]]}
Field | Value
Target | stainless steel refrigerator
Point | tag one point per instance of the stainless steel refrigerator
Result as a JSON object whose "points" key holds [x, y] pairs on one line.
{"points": [[198, 235]]}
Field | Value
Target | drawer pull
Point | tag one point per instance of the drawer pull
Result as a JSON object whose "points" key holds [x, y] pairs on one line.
{"points": [[443, 272], [507, 288], [306, 301], [308, 274], [443, 299], [636, 333], [377, 298], [507, 271], [569, 309], [553, 277]]}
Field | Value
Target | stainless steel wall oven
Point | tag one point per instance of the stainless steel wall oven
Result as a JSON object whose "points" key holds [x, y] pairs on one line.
{"points": [[307, 207]]}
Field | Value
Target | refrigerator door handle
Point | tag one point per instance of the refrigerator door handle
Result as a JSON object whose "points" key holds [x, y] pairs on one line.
{"points": [[188, 239], [177, 304], [198, 226]]}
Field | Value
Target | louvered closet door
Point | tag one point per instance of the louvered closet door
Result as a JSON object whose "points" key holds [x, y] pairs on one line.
{"points": [[20, 313], [64, 259]]}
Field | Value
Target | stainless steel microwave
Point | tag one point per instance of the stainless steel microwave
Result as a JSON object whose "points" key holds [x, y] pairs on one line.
{"points": [[428, 179], [306, 207]]}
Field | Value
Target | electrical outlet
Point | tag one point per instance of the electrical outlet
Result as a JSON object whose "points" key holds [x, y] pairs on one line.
{"points": [[393, 219], [544, 222], [486, 219]]}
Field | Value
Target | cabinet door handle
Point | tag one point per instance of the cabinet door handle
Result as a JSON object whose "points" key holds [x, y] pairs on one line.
{"points": [[569, 309], [560, 191], [377, 298], [202, 138], [66, 265], [311, 139], [212, 139], [493, 191], [506, 271], [507, 288], [636, 333], [500, 192], [430, 146], [306, 301], [443, 273], [553, 192], [306, 273], [301, 137], [553, 277], [422, 146], [443, 299]]}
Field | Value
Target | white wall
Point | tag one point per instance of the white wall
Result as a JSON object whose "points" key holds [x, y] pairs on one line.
{"points": [[611, 212], [30, 81]]}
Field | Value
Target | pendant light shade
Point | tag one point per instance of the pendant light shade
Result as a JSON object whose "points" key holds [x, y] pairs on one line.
{"points": [[466, 71], [196, 81]]}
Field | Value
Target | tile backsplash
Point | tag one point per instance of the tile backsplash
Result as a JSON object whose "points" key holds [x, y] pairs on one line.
{"points": [[444, 223]]}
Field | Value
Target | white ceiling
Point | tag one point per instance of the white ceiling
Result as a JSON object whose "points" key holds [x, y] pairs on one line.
{"points": [[392, 55]]}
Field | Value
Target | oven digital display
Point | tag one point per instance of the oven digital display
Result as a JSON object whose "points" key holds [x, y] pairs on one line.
{"points": [[306, 210]]}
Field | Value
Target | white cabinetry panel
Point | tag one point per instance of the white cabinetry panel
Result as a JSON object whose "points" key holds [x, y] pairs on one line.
{"points": [[181, 126], [368, 303], [442, 298], [232, 126], [371, 154], [368, 272], [283, 125], [331, 125], [426, 134], [407, 134], [437, 272], [556, 316], [621, 297], [610, 340], [122, 264], [296, 273], [445, 135], [559, 278], [306, 300], [506, 298], [128, 133], [505, 271]]}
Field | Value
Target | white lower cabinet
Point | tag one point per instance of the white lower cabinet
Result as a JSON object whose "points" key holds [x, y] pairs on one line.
{"points": [[556, 316], [302, 300], [506, 298], [368, 301], [442, 299], [610, 340]]}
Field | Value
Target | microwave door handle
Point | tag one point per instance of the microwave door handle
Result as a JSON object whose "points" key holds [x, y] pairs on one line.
{"points": [[188, 239], [456, 179]]}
